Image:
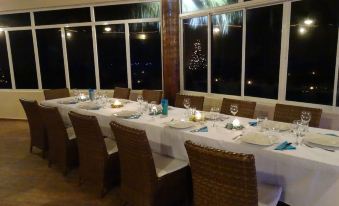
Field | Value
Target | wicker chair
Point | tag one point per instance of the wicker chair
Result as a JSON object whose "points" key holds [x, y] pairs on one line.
{"points": [[56, 93], [245, 108], [288, 113], [36, 127], [196, 101], [149, 179], [62, 144], [152, 95], [227, 179], [121, 93], [98, 156]]}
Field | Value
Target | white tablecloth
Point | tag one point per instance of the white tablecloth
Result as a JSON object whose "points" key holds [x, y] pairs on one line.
{"points": [[309, 176]]}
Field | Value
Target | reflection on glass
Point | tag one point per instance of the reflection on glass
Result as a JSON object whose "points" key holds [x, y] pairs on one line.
{"points": [[194, 5], [312, 51], [145, 48], [263, 43], [51, 58], [112, 56], [5, 78], [80, 57], [227, 53], [127, 11], [23, 59], [195, 54]]}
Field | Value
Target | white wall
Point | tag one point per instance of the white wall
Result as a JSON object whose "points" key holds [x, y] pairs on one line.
{"points": [[14, 5]]}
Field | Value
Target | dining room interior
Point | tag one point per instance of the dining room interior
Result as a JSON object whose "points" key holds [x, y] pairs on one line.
{"points": [[169, 102]]}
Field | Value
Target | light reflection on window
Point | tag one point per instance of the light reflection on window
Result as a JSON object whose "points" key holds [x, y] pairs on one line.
{"points": [[194, 5]]}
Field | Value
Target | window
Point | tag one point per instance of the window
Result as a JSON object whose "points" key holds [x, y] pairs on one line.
{"points": [[194, 5], [312, 51], [195, 54], [263, 43], [80, 57], [63, 16], [145, 46], [127, 11], [51, 58], [5, 78], [15, 20], [23, 59], [112, 56], [227, 53]]}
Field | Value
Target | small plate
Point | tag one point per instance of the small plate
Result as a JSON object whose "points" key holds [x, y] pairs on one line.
{"points": [[258, 139], [180, 124], [125, 113], [322, 140]]}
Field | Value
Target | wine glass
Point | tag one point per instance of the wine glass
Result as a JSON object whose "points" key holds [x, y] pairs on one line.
{"points": [[234, 109], [187, 104], [306, 118], [215, 113], [140, 99], [153, 108]]}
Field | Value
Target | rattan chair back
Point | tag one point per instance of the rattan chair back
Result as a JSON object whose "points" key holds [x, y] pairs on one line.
{"points": [[56, 93], [91, 147], [289, 113], [121, 93], [36, 127], [152, 95], [57, 135], [195, 101], [245, 108], [138, 175], [222, 178]]}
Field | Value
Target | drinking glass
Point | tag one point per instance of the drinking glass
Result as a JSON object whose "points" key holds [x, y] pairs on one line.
{"points": [[153, 108], [215, 113], [306, 118], [140, 99], [187, 103], [234, 109], [296, 129]]}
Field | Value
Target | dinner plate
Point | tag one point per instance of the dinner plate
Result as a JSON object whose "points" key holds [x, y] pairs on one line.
{"points": [[125, 113], [281, 126], [180, 124], [89, 106], [258, 139], [68, 101], [322, 140]]}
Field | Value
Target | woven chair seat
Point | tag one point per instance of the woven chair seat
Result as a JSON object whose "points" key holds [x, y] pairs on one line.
{"points": [[165, 165], [111, 146], [268, 195]]}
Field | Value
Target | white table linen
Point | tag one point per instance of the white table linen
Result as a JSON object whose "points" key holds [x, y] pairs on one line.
{"points": [[308, 176]]}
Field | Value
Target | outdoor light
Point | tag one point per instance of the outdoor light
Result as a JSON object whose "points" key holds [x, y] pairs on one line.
{"points": [[216, 30], [69, 34], [302, 30], [108, 29], [142, 36], [308, 22]]}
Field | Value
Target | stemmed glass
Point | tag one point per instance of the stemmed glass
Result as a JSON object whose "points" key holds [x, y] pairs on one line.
{"points": [[306, 118], [215, 113], [140, 99], [234, 109], [187, 104]]}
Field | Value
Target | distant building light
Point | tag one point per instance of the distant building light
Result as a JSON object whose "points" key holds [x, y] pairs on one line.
{"points": [[313, 73], [311, 87], [142, 36], [216, 79], [249, 82], [69, 34], [302, 30], [108, 29]]}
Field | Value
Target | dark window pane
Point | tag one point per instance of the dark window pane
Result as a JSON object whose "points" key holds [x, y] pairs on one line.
{"points": [[194, 5], [5, 77], [145, 47], [51, 58], [195, 54], [23, 59], [80, 57], [312, 51], [112, 56], [15, 20], [263, 42], [227, 53], [127, 11], [63, 16]]}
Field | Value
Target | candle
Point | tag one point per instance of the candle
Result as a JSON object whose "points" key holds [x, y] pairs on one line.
{"points": [[117, 103], [82, 96], [197, 116], [236, 123]]}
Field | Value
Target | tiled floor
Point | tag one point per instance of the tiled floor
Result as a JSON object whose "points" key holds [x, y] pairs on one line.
{"points": [[25, 178]]}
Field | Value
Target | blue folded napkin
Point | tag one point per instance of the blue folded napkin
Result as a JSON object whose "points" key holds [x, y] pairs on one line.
{"points": [[203, 129], [253, 123], [134, 117], [285, 146]]}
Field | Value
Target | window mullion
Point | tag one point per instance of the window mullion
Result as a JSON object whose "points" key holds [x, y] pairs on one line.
{"points": [[64, 51], [10, 59], [36, 51], [209, 50], [95, 50], [243, 63], [285, 37], [128, 56], [335, 89]]}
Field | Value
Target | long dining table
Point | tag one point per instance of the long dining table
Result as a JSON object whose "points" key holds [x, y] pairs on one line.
{"points": [[308, 176]]}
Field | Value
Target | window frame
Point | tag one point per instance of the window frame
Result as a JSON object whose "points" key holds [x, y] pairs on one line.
{"points": [[283, 70], [92, 24]]}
